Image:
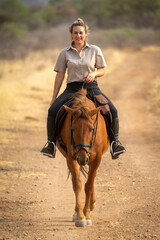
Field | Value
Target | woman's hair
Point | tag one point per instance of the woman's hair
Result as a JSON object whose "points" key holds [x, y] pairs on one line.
{"points": [[78, 22]]}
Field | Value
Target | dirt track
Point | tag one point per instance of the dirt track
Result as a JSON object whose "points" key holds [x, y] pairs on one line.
{"points": [[37, 202]]}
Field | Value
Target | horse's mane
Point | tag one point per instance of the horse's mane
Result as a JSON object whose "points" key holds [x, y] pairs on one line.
{"points": [[80, 104]]}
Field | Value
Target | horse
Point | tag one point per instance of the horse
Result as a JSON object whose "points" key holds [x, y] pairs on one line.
{"points": [[85, 136]]}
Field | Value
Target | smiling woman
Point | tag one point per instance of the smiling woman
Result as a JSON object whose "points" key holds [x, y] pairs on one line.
{"points": [[84, 64]]}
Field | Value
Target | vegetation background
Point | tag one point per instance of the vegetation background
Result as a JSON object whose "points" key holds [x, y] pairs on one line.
{"points": [[26, 25]]}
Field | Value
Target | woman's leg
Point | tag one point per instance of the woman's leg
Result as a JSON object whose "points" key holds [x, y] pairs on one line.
{"points": [[50, 148], [116, 147]]}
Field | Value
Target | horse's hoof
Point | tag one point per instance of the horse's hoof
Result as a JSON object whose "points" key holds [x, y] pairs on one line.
{"points": [[80, 223], [74, 217], [88, 222]]}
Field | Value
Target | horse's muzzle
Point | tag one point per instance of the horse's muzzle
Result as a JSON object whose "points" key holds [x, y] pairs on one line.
{"points": [[83, 160]]}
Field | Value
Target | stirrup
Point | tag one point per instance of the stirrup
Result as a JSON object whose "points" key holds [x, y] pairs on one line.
{"points": [[49, 154], [115, 155]]}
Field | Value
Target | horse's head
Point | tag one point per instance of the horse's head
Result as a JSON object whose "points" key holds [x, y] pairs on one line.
{"points": [[83, 132]]}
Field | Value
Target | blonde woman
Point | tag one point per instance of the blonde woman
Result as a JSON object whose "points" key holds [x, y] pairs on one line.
{"points": [[84, 64]]}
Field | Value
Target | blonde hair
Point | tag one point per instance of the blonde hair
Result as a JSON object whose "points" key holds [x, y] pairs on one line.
{"points": [[78, 22]]}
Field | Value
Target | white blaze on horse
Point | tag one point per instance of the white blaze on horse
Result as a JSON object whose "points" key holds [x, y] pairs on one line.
{"points": [[85, 137]]}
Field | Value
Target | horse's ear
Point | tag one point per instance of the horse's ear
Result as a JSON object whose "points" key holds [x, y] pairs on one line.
{"points": [[68, 109], [94, 111]]}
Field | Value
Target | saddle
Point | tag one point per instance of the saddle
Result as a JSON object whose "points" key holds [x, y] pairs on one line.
{"points": [[62, 113]]}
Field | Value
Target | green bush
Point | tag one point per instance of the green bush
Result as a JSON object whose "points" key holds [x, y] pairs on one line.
{"points": [[48, 14], [14, 29], [35, 21], [122, 32], [13, 11], [120, 36]]}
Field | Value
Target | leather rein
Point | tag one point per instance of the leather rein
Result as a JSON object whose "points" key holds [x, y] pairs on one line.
{"points": [[82, 146]]}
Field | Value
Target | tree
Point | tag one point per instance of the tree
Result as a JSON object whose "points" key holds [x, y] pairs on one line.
{"points": [[13, 11]]}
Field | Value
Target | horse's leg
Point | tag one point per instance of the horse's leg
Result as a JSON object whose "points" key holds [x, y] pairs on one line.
{"points": [[77, 187], [89, 190], [93, 200]]}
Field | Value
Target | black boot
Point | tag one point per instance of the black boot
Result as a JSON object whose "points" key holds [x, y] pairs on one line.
{"points": [[50, 147], [116, 146]]}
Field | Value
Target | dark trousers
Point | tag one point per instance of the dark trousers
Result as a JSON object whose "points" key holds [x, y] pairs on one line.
{"points": [[92, 89]]}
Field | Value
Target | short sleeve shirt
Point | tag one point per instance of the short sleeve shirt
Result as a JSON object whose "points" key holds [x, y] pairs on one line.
{"points": [[79, 65]]}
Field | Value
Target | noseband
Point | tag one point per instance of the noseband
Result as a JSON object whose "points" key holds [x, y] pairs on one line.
{"points": [[81, 145]]}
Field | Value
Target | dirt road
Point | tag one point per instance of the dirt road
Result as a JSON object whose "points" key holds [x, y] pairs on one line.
{"points": [[37, 202]]}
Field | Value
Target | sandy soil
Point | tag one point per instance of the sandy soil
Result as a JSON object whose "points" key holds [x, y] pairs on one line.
{"points": [[37, 201]]}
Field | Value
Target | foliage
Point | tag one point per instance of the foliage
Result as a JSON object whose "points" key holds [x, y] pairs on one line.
{"points": [[110, 13], [49, 14], [35, 20], [13, 11], [103, 13], [64, 9], [14, 29]]}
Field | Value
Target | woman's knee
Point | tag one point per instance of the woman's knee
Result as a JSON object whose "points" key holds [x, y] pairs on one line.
{"points": [[51, 111], [114, 112]]}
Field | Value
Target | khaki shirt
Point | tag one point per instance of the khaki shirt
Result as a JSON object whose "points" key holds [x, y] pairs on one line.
{"points": [[79, 65]]}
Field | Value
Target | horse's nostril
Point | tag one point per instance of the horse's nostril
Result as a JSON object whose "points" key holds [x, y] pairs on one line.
{"points": [[87, 159]]}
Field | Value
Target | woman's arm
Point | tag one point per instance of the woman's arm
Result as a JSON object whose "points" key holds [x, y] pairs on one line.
{"points": [[97, 73], [57, 85]]}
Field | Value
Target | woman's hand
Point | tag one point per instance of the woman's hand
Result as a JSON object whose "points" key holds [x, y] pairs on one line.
{"points": [[92, 75], [90, 78]]}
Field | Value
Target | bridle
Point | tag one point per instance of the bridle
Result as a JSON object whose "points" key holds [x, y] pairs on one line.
{"points": [[82, 146]]}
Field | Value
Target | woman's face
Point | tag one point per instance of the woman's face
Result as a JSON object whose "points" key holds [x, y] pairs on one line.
{"points": [[78, 35]]}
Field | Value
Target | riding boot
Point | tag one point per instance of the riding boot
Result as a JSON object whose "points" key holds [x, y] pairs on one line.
{"points": [[115, 144], [50, 147]]}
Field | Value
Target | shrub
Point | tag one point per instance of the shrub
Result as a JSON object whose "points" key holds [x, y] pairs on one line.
{"points": [[148, 36], [14, 29], [14, 11], [35, 21], [120, 36], [48, 14]]}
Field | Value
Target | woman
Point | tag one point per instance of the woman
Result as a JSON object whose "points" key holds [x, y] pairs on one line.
{"points": [[84, 63]]}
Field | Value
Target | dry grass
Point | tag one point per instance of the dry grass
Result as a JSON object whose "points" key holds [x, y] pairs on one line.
{"points": [[155, 94]]}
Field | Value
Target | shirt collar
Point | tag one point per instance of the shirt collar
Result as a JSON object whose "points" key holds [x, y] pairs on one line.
{"points": [[71, 46]]}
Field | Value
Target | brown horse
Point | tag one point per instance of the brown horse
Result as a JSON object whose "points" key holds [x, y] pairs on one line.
{"points": [[85, 136]]}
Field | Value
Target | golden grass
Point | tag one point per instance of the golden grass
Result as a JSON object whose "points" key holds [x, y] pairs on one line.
{"points": [[155, 94], [113, 58]]}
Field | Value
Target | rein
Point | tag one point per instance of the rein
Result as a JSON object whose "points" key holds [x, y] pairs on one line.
{"points": [[94, 133], [81, 145]]}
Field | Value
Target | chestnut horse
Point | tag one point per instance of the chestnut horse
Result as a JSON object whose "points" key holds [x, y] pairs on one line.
{"points": [[85, 136]]}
